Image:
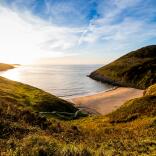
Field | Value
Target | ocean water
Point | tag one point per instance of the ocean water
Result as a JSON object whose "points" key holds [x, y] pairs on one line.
{"points": [[65, 81]]}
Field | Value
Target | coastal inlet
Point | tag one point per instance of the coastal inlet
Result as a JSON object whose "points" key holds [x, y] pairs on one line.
{"points": [[65, 81]]}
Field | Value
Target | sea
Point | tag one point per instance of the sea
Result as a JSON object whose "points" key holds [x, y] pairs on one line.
{"points": [[64, 81]]}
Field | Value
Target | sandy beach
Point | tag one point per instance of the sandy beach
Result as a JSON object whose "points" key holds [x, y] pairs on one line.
{"points": [[105, 102]]}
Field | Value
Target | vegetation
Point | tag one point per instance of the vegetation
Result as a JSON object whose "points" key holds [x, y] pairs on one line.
{"points": [[151, 90], [4, 66], [130, 130], [136, 69], [135, 108], [25, 96]]}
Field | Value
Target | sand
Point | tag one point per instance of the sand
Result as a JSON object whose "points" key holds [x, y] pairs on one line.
{"points": [[106, 102]]}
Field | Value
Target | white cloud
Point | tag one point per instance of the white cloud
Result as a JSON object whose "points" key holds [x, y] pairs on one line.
{"points": [[25, 37], [117, 35]]}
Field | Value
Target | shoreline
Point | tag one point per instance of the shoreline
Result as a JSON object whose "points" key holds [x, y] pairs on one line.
{"points": [[107, 101], [91, 94]]}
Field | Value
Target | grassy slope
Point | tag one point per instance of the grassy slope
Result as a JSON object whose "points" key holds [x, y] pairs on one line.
{"points": [[4, 66], [137, 108], [130, 130], [25, 96], [151, 90], [136, 69]]}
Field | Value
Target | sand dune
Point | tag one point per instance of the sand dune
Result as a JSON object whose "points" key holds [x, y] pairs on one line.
{"points": [[106, 102]]}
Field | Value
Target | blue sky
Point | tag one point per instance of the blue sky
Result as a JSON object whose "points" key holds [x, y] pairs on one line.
{"points": [[74, 31]]}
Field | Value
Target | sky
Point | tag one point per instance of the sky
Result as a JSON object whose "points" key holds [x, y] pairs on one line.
{"points": [[74, 31]]}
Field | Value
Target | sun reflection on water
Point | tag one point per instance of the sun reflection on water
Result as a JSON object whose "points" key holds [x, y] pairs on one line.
{"points": [[12, 74], [60, 80]]}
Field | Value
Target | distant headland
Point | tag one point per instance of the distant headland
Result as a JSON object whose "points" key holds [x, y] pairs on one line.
{"points": [[137, 69]]}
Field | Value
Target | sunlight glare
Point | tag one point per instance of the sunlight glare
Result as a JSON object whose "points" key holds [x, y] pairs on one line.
{"points": [[12, 74]]}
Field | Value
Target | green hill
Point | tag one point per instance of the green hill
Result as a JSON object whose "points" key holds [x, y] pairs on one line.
{"points": [[25, 96], [130, 130], [4, 66], [136, 108], [136, 69]]}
